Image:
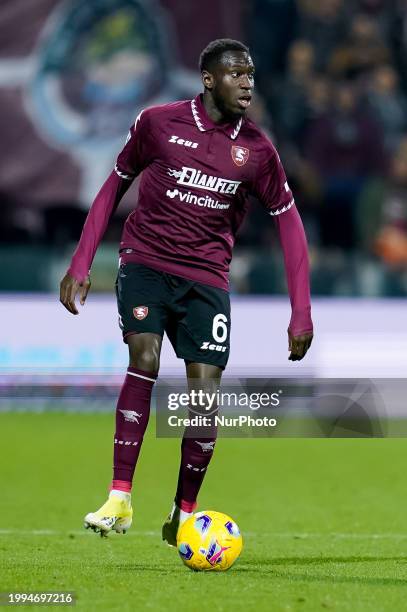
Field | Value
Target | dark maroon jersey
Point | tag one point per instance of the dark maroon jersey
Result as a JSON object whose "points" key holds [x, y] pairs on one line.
{"points": [[196, 176], [194, 187]]}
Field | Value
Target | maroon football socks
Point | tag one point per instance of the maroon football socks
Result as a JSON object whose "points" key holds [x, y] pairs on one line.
{"points": [[132, 414], [196, 453]]}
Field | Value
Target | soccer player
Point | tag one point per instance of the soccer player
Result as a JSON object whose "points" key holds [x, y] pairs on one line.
{"points": [[199, 160]]}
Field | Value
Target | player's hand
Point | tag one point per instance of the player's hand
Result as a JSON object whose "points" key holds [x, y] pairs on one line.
{"points": [[298, 345], [68, 290]]}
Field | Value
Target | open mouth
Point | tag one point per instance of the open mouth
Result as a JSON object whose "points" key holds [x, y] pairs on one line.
{"points": [[244, 101]]}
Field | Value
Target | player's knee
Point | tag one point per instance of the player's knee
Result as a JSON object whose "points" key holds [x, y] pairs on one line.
{"points": [[204, 372], [144, 352], [147, 360]]}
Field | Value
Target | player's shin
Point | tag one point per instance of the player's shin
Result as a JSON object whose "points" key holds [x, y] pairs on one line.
{"points": [[196, 453], [133, 410], [132, 414]]}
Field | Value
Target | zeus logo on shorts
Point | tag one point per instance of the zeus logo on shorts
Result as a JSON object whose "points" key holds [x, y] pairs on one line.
{"points": [[195, 178], [207, 346]]}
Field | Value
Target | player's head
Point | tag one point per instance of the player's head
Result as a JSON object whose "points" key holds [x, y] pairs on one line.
{"points": [[228, 75]]}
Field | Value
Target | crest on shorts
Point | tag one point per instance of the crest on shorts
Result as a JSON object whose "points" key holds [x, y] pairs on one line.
{"points": [[140, 312], [240, 155]]}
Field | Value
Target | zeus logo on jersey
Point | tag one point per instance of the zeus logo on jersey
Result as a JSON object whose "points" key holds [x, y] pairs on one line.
{"points": [[195, 178], [181, 141]]}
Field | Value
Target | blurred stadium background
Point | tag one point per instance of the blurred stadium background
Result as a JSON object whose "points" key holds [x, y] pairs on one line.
{"points": [[332, 94]]}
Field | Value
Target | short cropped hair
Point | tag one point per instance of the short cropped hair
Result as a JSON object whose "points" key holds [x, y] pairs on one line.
{"points": [[214, 50]]}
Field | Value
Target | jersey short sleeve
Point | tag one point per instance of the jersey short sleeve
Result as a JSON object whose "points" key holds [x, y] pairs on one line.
{"points": [[270, 184], [137, 151]]}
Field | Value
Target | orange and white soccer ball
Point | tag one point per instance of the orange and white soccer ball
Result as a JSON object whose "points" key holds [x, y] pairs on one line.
{"points": [[209, 541]]}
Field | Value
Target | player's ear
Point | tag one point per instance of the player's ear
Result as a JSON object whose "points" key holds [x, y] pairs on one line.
{"points": [[207, 79]]}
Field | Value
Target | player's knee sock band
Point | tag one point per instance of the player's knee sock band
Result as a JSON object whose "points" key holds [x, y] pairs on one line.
{"points": [[132, 414]]}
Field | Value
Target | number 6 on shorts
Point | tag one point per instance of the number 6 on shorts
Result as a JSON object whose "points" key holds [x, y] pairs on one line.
{"points": [[219, 328]]}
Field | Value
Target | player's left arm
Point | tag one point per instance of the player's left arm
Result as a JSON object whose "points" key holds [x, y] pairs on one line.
{"points": [[272, 189], [295, 250]]}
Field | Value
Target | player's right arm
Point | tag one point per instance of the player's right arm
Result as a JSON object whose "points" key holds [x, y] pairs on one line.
{"points": [[131, 161]]}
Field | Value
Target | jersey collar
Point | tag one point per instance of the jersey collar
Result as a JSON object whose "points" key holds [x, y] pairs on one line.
{"points": [[204, 123]]}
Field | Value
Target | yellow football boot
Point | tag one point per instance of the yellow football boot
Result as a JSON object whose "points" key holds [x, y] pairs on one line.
{"points": [[115, 515], [176, 518]]}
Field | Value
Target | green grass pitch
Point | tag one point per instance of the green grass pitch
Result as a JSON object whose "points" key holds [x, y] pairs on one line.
{"points": [[323, 521]]}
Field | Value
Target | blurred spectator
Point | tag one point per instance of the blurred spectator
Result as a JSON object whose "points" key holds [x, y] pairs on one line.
{"points": [[318, 96], [316, 104], [293, 90], [364, 50], [19, 224], [345, 147], [270, 30], [309, 99], [399, 38], [391, 238], [331, 81], [324, 23], [381, 11], [388, 104], [258, 113]]}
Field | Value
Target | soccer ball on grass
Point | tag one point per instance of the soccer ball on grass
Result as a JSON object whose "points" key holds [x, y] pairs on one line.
{"points": [[209, 540]]}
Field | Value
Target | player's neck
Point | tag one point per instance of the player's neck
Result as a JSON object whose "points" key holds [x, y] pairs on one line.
{"points": [[214, 113]]}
